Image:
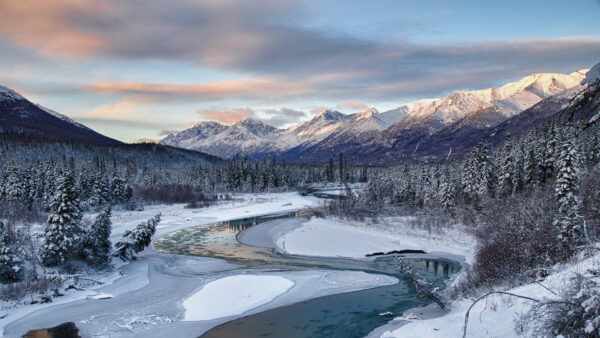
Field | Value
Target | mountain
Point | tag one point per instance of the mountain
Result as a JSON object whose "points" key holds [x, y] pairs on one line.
{"points": [[429, 128], [249, 136], [19, 116], [30, 132]]}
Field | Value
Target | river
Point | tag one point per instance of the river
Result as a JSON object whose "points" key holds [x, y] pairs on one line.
{"points": [[352, 314]]}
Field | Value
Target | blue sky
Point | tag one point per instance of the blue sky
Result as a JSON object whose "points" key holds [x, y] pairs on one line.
{"points": [[141, 68]]}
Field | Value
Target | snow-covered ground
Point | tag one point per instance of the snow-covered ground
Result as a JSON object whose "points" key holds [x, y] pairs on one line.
{"points": [[496, 315], [333, 237]]}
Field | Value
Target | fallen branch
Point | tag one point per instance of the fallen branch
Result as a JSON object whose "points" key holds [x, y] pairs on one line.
{"points": [[409, 276]]}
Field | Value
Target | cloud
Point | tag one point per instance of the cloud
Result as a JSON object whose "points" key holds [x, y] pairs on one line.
{"points": [[282, 117], [165, 132], [124, 109], [265, 38], [227, 116], [274, 117], [353, 106], [146, 140], [48, 27], [263, 87]]}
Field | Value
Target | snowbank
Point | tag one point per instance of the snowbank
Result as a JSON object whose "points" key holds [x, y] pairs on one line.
{"points": [[234, 295], [495, 316], [332, 237], [176, 217]]}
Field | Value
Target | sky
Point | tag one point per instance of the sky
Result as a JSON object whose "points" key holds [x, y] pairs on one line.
{"points": [[140, 69]]}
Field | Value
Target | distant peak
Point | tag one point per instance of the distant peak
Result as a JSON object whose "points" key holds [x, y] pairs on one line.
{"points": [[367, 113], [206, 124], [249, 121], [330, 115]]}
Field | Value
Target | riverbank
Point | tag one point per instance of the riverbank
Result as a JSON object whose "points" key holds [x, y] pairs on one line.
{"points": [[497, 316], [335, 237], [145, 297]]}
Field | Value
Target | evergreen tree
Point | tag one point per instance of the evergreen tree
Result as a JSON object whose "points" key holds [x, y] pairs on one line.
{"points": [[100, 193], [63, 231], [529, 169], [10, 263], [446, 193], [96, 245], [136, 240], [550, 152], [567, 195], [505, 181], [330, 170]]}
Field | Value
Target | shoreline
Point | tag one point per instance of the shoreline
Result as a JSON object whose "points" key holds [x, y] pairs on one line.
{"points": [[269, 235], [134, 309]]}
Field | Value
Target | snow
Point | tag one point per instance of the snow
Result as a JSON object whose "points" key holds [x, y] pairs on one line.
{"points": [[355, 240], [233, 296], [61, 116], [593, 75], [9, 94], [101, 295], [493, 317]]}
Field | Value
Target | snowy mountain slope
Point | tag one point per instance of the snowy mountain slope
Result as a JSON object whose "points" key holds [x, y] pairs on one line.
{"points": [[247, 137], [507, 100], [593, 75], [253, 138], [316, 129], [19, 116]]}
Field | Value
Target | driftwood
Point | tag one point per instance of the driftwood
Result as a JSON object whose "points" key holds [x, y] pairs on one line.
{"points": [[405, 251], [419, 285]]}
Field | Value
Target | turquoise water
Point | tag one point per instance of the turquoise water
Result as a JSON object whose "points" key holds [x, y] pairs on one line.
{"points": [[352, 314]]}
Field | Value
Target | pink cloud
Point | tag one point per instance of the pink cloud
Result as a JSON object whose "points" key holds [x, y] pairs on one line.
{"points": [[353, 106], [228, 116], [46, 25]]}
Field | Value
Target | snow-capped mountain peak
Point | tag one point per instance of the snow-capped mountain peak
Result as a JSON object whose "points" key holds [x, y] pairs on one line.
{"points": [[330, 115], [506, 101], [369, 113]]}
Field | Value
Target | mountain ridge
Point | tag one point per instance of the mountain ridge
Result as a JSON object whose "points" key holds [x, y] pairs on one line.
{"points": [[373, 136]]}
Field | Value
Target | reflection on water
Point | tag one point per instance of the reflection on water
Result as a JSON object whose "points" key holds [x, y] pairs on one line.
{"points": [[345, 315]]}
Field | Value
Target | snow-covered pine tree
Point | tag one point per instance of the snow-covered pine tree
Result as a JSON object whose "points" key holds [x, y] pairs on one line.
{"points": [[100, 193], [529, 168], [484, 172], [505, 179], [517, 175], [96, 244], [469, 178], [10, 263], [550, 151], [567, 194], [446, 193], [63, 231], [136, 240], [121, 190]]}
